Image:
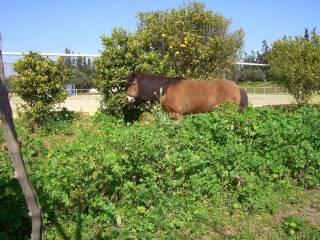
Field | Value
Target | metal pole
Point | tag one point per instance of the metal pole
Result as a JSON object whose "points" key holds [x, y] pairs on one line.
{"points": [[52, 54]]}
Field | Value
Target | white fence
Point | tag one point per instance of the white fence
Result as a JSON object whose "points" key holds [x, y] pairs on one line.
{"points": [[270, 90], [89, 91], [274, 90]]}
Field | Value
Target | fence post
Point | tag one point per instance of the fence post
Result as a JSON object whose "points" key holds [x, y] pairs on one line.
{"points": [[14, 148]]}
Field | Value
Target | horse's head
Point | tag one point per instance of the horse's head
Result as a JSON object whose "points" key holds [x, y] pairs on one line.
{"points": [[147, 87], [133, 88]]}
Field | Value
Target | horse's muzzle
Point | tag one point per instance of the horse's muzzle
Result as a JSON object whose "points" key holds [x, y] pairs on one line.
{"points": [[130, 99]]}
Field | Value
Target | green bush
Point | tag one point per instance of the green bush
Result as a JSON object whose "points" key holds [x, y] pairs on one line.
{"points": [[40, 83], [190, 41], [295, 64], [122, 55], [102, 178]]}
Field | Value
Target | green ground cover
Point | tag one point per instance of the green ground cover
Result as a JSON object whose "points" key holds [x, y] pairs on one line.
{"points": [[219, 175]]}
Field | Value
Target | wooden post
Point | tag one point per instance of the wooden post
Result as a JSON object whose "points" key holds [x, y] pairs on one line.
{"points": [[14, 148]]}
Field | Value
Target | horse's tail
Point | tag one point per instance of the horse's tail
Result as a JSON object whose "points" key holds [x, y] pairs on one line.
{"points": [[243, 100]]}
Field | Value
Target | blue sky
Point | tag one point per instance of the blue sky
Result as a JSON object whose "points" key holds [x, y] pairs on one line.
{"points": [[50, 26]]}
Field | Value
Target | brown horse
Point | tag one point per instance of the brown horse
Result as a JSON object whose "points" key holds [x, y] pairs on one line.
{"points": [[182, 96]]}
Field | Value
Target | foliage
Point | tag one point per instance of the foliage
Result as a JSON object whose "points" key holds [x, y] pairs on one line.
{"points": [[295, 64], [40, 83], [190, 41], [291, 225], [103, 178], [195, 42], [14, 219]]}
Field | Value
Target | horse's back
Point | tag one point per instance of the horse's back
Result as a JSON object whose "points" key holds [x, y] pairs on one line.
{"points": [[194, 96]]}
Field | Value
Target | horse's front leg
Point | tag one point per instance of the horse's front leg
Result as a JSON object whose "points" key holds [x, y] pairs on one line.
{"points": [[174, 112], [176, 116]]}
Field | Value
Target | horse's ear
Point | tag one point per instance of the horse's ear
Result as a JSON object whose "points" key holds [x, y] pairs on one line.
{"points": [[131, 77], [134, 74]]}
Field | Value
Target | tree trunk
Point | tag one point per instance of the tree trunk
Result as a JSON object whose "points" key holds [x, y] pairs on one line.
{"points": [[14, 149]]}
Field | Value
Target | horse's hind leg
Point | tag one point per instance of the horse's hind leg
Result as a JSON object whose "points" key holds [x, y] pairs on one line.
{"points": [[243, 101]]}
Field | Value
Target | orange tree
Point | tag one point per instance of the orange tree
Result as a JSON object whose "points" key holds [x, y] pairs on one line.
{"points": [[190, 41]]}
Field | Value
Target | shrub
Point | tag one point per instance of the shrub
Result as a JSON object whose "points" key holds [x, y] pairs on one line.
{"points": [[190, 41], [123, 53], [40, 83], [295, 64]]}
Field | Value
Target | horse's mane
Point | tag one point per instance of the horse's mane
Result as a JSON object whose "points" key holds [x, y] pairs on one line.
{"points": [[150, 85]]}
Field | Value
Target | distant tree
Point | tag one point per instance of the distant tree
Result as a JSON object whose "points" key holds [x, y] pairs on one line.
{"points": [[251, 74], [79, 63], [82, 70], [67, 60], [306, 34], [264, 51], [254, 73]]}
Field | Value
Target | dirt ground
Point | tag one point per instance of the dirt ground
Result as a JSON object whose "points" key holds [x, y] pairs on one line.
{"points": [[81, 103], [259, 100], [90, 103]]}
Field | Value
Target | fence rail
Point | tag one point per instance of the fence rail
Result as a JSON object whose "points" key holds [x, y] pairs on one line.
{"points": [[272, 90], [276, 90]]}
